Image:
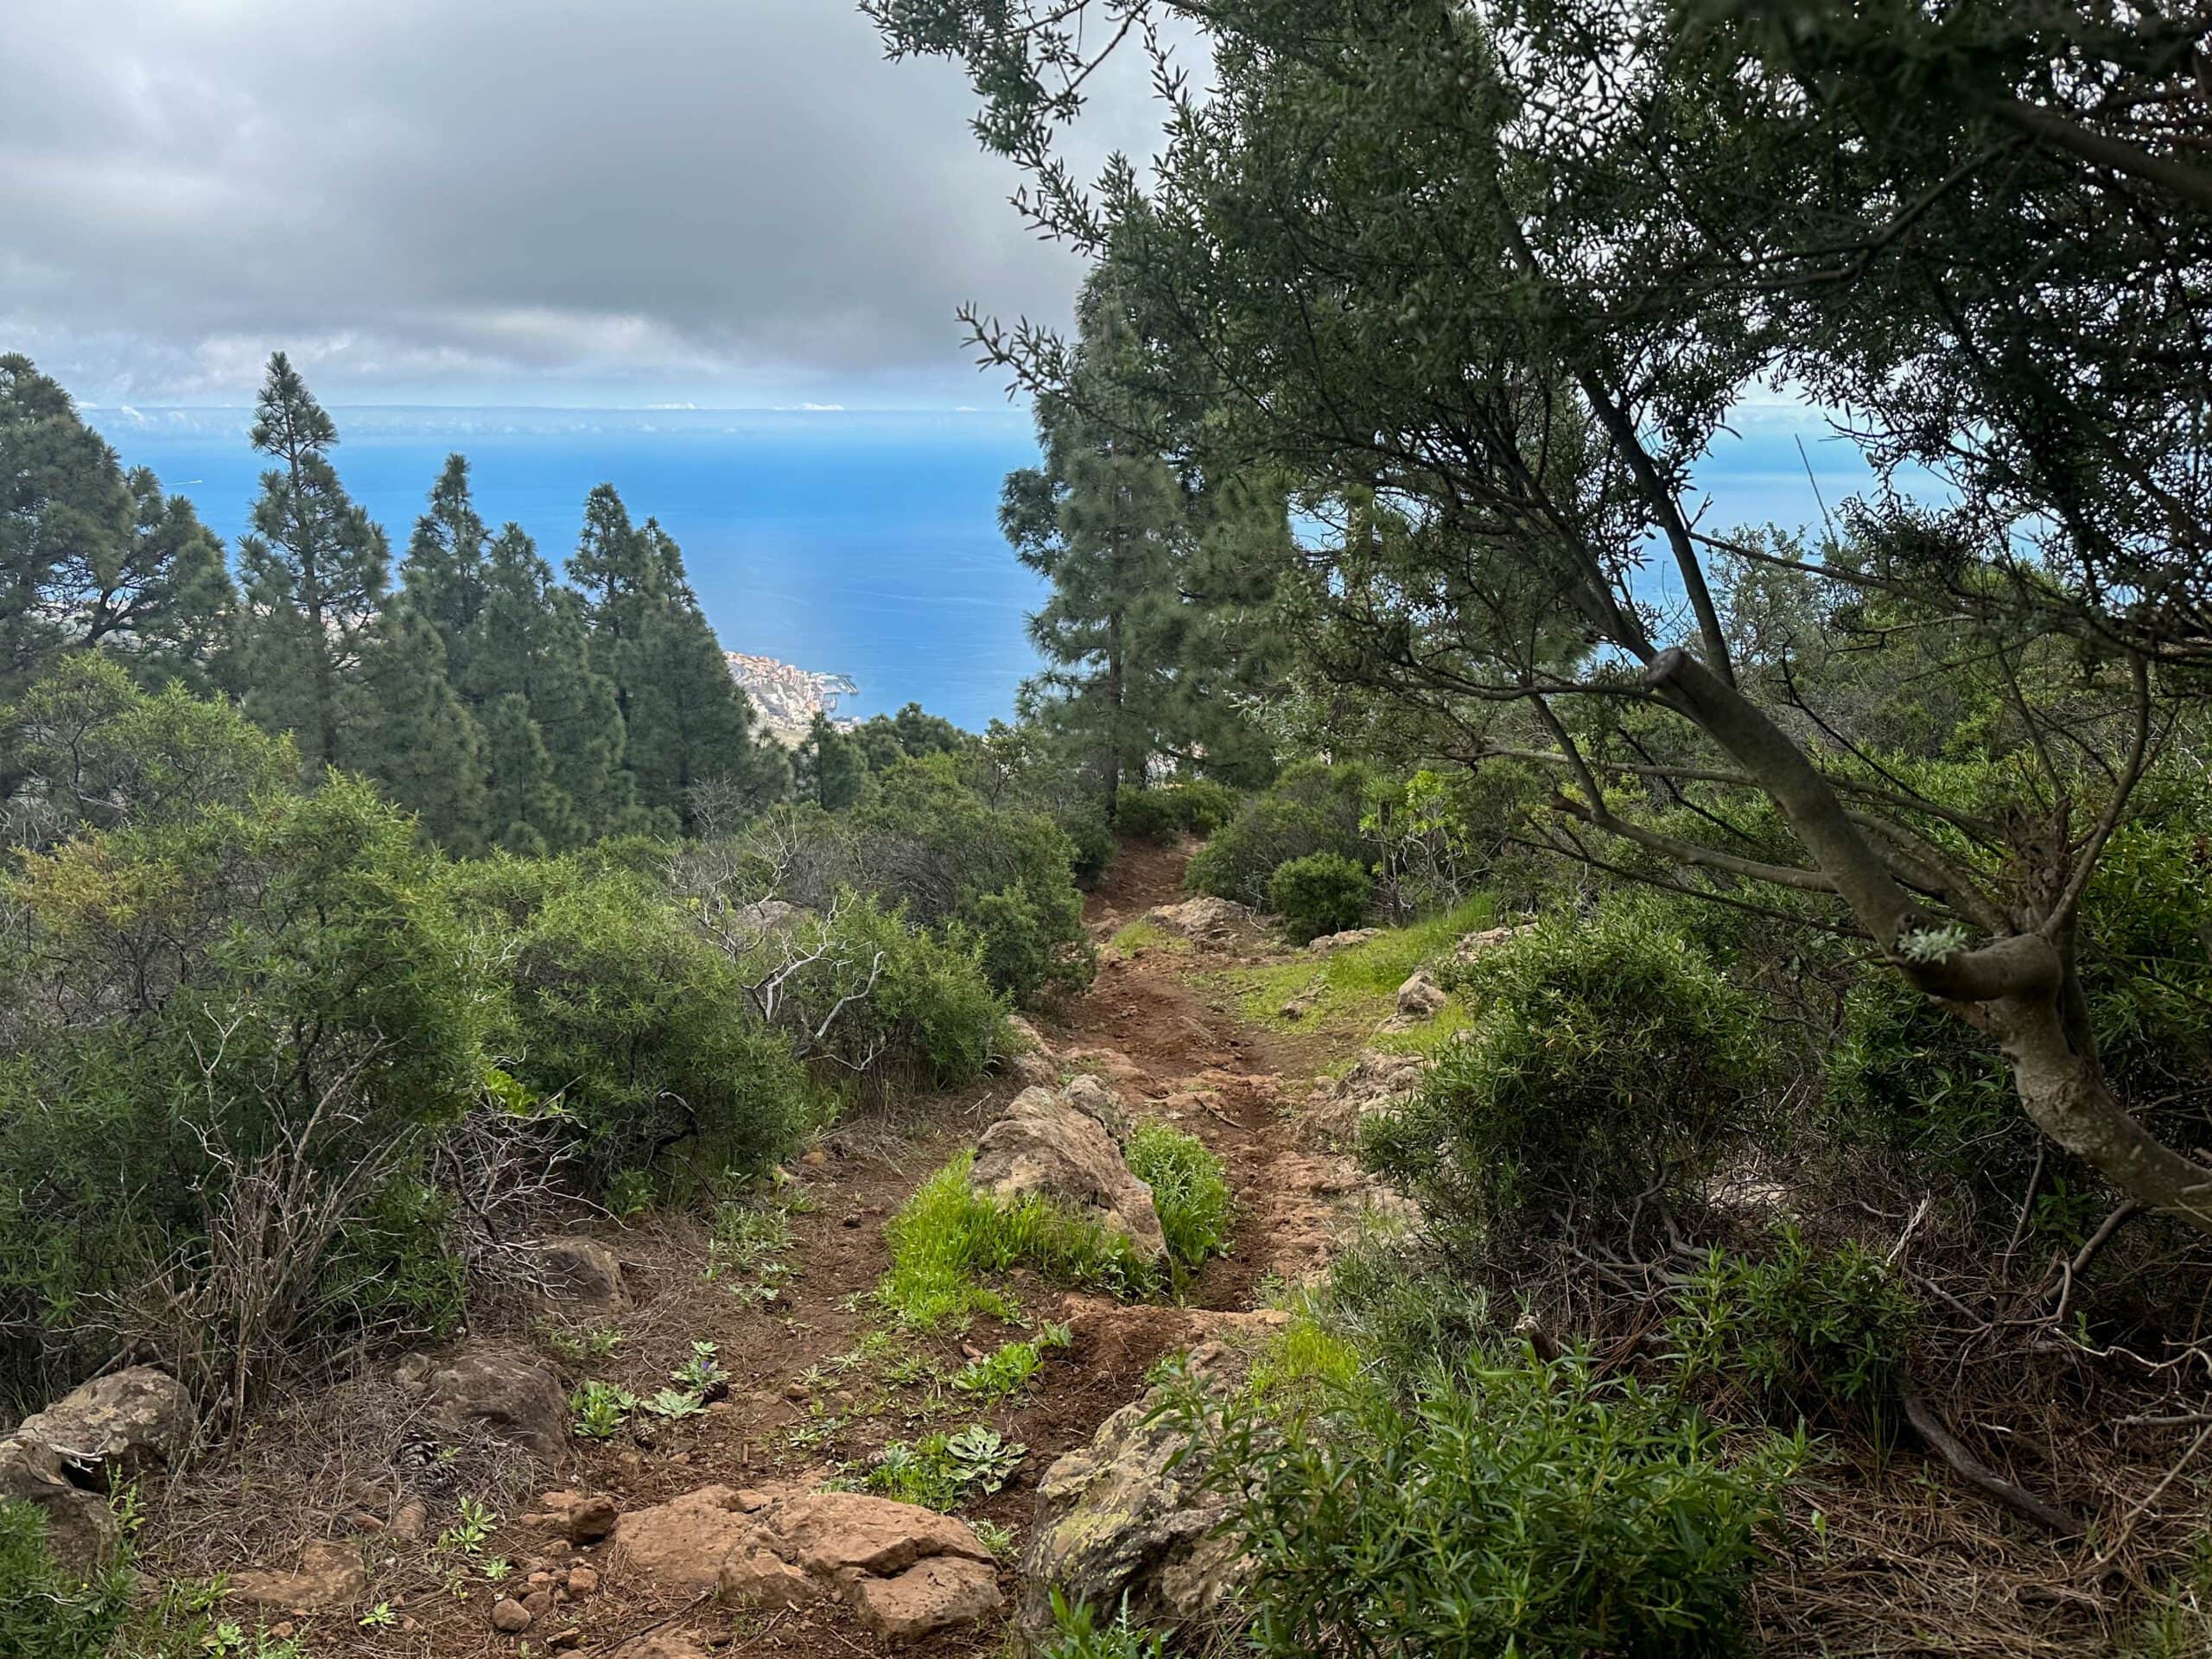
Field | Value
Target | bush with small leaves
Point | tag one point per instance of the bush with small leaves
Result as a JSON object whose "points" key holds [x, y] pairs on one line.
{"points": [[1313, 808], [1810, 1333], [1324, 893], [46, 1612], [1145, 815], [1610, 1068], [1518, 1507]]}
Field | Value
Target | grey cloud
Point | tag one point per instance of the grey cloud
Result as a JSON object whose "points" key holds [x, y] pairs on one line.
{"points": [[672, 197]]}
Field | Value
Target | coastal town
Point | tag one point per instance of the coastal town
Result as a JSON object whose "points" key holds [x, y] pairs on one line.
{"points": [[786, 698]]}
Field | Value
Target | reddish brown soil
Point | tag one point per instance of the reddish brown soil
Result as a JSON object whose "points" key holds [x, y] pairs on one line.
{"points": [[1169, 1048]]}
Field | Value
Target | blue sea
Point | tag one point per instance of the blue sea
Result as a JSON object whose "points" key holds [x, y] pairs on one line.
{"points": [[842, 542], [845, 542]]}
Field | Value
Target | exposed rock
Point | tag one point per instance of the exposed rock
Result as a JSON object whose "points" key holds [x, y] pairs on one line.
{"points": [[1420, 997], [1299, 1007], [1119, 1518], [1215, 923], [662, 1644], [579, 1274], [681, 1545], [828, 1533], [1027, 1060], [493, 1388], [1472, 945], [590, 1519], [408, 1520], [1378, 1081], [509, 1617], [932, 1595], [1329, 943], [80, 1528], [905, 1570], [1110, 1063], [331, 1580], [756, 1576], [118, 1426], [1095, 1099], [1044, 1147]]}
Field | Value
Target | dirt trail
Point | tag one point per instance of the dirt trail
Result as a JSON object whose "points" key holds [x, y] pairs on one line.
{"points": [[808, 1399]]}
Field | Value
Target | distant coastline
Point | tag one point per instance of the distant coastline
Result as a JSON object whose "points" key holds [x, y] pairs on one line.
{"points": [[786, 698]]}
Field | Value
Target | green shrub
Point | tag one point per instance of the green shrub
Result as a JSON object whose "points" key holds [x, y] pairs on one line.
{"points": [[1145, 815], [924, 842], [626, 1015], [1817, 1333], [48, 1613], [1076, 1634], [1190, 1189], [1610, 1069], [1091, 842], [943, 1472], [1525, 1509], [1313, 808], [1323, 893], [1200, 806], [893, 1006], [240, 989], [947, 1234]]}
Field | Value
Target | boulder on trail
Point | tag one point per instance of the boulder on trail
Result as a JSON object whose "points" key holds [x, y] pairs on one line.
{"points": [[576, 1274], [1095, 1099], [118, 1426], [331, 1579], [1420, 997], [680, 1546], [491, 1387], [906, 1572], [1044, 1147], [1120, 1518], [1215, 923], [81, 1531], [1379, 1081]]}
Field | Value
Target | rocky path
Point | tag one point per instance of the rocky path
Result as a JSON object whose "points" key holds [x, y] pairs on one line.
{"points": [[468, 1547]]}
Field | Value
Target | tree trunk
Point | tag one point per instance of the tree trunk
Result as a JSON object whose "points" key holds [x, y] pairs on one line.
{"points": [[2064, 1092]]}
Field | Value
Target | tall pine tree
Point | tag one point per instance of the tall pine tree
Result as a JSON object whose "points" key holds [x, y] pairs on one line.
{"points": [[409, 731], [537, 646], [446, 578], [526, 811], [315, 569]]}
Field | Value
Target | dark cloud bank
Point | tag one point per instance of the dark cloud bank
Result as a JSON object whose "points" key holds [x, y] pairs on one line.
{"points": [[734, 201]]}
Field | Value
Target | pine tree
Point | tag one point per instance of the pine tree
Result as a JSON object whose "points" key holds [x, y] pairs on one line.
{"points": [[91, 556], [536, 645], [316, 570], [447, 577], [829, 767], [686, 719], [526, 809], [408, 730]]}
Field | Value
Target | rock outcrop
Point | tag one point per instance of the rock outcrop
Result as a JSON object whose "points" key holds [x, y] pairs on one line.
{"points": [[1215, 923], [1120, 1518], [906, 1572], [1027, 1059], [65, 1460], [577, 1275], [1095, 1098], [331, 1579], [680, 1546], [1420, 997], [1379, 1081], [1329, 943], [1047, 1149], [491, 1387]]}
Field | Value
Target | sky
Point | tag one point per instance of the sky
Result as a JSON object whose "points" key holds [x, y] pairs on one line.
{"points": [[731, 203]]}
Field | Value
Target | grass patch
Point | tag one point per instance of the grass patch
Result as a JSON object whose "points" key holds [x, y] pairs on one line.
{"points": [[947, 1235], [1010, 1370], [1356, 987], [1190, 1189], [1145, 934]]}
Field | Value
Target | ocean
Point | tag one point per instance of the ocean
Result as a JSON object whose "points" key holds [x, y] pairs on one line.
{"points": [[856, 542], [842, 542]]}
